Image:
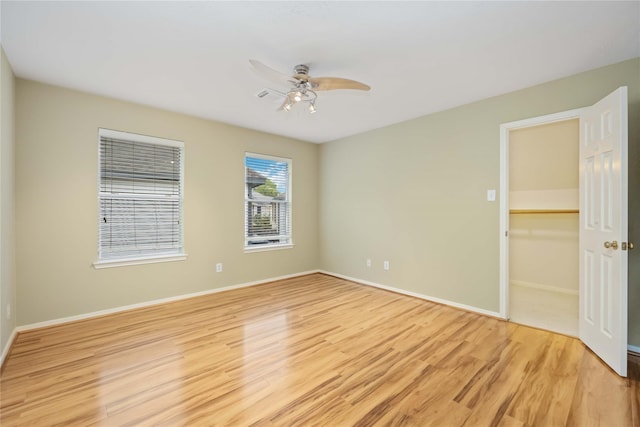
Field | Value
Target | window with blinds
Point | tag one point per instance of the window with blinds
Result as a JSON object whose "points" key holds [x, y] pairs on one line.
{"points": [[267, 201], [140, 196]]}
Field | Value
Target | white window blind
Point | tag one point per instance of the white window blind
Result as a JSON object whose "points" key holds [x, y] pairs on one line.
{"points": [[140, 196], [267, 201]]}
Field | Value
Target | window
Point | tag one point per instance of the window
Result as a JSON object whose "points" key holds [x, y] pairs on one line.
{"points": [[140, 199], [267, 202]]}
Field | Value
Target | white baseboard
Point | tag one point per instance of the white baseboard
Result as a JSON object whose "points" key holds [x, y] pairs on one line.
{"points": [[90, 315], [7, 347], [542, 287], [417, 295], [631, 348]]}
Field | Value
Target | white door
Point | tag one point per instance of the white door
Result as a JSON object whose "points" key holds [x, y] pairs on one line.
{"points": [[603, 229]]}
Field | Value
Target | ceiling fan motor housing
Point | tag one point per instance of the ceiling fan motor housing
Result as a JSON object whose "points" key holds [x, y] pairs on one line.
{"points": [[301, 69]]}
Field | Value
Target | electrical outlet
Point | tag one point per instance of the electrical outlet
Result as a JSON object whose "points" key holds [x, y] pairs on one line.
{"points": [[368, 262], [219, 267], [8, 311], [386, 265]]}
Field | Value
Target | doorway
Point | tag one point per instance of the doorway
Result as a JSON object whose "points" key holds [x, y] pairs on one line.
{"points": [[603, 223], [544, 226], [525, 210]]}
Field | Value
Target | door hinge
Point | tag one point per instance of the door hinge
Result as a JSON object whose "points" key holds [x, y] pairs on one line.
{"points": [[506, 233]]}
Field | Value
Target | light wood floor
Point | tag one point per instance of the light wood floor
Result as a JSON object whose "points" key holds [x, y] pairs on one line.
{"points": [[313, 350]]}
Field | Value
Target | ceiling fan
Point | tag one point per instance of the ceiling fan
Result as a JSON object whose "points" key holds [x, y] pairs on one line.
{"points": [[303, 87]]}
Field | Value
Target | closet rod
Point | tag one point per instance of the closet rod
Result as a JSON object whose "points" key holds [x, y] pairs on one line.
{"points": [[543, 211]]}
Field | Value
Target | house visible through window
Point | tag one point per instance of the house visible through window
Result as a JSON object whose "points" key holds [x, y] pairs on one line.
{"points": [[140, 197], [267, 201]]}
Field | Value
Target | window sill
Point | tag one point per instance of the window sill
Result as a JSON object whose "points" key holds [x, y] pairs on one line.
{"points": [[121, 262], [258, 248]]}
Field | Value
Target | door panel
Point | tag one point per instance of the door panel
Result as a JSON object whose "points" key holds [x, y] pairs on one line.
{"points": [[603, 221], [588, 299], [606, 268], [589, 194]]}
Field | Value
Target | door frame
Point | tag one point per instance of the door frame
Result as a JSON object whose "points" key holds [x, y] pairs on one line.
{"points": [[505, 128]]}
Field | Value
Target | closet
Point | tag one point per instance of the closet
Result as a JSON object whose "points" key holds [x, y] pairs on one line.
{"points": [[544, 226]]}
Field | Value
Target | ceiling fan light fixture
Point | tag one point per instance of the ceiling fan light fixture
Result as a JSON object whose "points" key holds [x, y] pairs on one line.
{"points": [[303, 87]]}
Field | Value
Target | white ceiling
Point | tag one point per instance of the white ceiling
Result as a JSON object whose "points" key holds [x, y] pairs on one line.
{"points": [[418, 57]]}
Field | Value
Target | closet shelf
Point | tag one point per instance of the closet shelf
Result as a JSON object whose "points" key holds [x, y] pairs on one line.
{"points": [[543, 211]]}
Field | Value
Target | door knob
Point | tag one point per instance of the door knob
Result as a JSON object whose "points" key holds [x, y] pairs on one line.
{"points": [[613, 245]]}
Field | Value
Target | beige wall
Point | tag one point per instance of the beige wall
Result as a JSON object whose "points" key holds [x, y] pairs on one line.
{"points": [[544, 157], [7, 199], [56, 205], [415, 193], [543, 248]]}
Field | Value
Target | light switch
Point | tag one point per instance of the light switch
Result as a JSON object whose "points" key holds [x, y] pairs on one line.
{"points": [[491, 195]]}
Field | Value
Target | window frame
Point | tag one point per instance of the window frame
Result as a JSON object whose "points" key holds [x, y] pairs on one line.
{"points": [[136, 259], [289, 203]]}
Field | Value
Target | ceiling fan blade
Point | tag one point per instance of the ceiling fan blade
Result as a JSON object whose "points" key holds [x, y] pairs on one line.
{"points": [[269, 73], [333, 83]]}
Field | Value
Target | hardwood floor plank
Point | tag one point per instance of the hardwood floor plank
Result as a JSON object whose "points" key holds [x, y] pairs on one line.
{"points": [[314, 351], [550, 384], [598, 390], [634, 386]]}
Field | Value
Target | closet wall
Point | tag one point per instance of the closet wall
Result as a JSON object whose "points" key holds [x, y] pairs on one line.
{"points": [[543, 183]]}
